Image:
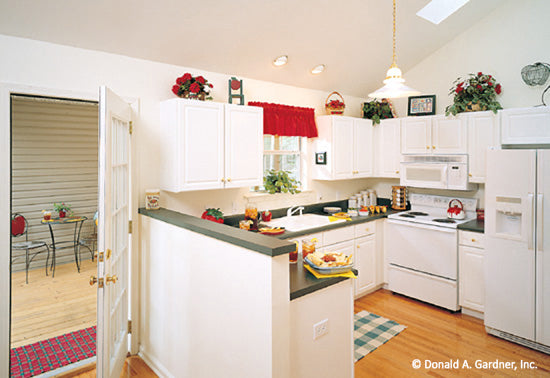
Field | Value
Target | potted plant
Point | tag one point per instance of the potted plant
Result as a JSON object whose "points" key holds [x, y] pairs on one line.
{"points": [[62, 209], [475, 93], [280, 182], [377, 110], [196, 87]]}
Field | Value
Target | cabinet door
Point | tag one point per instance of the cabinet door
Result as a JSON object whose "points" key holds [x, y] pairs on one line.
{"points": [[363, 148], [243, 145], [416, 135], [387, 142], [526, 125], [365, 263], [481, 136], [471, 278], [449, 135], [342, 144], [201, 144]]}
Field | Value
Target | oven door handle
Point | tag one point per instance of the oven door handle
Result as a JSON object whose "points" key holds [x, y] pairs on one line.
{"points": [[424, 226]]}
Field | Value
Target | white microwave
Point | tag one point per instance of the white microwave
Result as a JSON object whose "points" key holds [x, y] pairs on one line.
{"points": [[436, 171]]}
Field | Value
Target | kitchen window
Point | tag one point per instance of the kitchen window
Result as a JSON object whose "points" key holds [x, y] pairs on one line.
{"points": [[283, 153]]}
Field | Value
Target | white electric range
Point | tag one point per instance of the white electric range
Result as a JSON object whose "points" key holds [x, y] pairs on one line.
{"points": [[422, 250]]}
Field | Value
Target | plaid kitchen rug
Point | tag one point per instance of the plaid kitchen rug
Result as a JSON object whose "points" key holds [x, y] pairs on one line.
{"points": [[371, 331], [50, 354]]}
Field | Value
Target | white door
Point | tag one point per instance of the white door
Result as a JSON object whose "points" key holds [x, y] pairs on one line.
{"points": [[342, 137], [509, 242], [416, 135], [365, 263], [363, 143], [543, 248], [481, 135], [243, 145], [387, 143], [113, 237], [449, 135], [471, 284]]}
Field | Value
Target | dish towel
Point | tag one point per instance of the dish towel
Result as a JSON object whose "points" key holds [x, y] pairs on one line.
{"points": [[334, 219]]}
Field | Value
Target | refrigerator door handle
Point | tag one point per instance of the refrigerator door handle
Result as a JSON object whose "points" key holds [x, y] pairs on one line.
{"points": [[540, 217], [530, 216]]}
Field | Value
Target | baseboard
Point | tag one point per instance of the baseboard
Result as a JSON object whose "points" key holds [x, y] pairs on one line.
{"points": [[154, 364], [370, 291], [474, 313]]}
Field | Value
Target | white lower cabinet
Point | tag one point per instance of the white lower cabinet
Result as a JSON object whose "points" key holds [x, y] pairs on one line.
{"points": [[471, 255], [365, 263]]}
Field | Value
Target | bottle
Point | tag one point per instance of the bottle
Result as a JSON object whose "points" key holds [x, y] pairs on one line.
{"points": [[372, 197]]}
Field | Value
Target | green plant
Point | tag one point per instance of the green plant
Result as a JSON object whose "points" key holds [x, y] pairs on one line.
{"points": [[280, 182], [476, 92], [62, 207], [377, 110]]}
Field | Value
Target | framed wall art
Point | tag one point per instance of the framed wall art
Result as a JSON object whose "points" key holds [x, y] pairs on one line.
{"points": [[421, 105], [321, 158]]}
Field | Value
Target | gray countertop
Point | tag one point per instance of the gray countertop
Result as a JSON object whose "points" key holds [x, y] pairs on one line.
{"points": [[473, 225], [301, 281]]}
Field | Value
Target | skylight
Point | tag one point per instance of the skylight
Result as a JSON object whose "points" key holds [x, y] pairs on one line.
{"points": [[438, 10]]}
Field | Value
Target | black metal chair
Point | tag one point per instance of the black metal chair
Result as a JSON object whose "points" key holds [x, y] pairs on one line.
{"points": [[19, 227], [90, 239]]}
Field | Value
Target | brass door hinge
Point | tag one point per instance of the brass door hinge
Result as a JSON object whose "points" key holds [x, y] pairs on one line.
{"points": [[130, 227], [129, 326], [131, 127]]}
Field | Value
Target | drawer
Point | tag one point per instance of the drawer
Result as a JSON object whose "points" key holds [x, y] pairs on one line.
{"points": [[365, 229], [317, 235], [338, 235], [472, 239]]}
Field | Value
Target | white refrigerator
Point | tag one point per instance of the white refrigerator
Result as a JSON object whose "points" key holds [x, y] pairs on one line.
{"points": [[517, 228]]}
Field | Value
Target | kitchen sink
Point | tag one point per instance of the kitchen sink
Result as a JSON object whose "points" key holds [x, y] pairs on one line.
{"points": [[301, 222]]}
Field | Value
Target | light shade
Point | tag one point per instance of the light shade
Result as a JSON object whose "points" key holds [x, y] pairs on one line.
{"points": [[394, 87], [281, 60], [318, 69]]}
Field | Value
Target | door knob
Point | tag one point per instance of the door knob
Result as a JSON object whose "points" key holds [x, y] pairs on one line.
{"points": [[112, 279], [94, 280]]}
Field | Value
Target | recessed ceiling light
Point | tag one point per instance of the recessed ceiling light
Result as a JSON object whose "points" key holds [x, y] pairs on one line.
{"points": [[438, 10], [318, 69], [281, 61]]}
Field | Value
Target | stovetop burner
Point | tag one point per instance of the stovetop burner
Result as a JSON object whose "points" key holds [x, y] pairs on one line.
{"points": [[407, 215], [443, 220], [420, 213]]}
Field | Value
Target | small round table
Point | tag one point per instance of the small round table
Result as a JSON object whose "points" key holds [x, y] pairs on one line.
{"points": [[78, 222]]}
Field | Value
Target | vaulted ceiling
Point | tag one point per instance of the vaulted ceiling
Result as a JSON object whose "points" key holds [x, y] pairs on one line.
{"points": [[353, 38]]}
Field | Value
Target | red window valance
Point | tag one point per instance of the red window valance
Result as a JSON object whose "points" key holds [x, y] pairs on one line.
{"points": [[285, 120]]}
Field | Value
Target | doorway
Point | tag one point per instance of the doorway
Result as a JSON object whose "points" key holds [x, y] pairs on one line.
{"points": [[54, 160]]}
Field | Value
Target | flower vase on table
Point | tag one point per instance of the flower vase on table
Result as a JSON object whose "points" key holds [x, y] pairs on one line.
{"points": [[62, 214]]}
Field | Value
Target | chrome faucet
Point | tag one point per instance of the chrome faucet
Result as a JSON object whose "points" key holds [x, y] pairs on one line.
{"points": [[293, 210]]}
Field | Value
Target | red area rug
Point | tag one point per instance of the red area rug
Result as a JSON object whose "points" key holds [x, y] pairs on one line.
{"points": [[50, 354]]}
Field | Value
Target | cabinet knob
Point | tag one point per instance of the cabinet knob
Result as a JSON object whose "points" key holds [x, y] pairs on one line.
{"points": [[433, 147], [469, 174], [474, 240], [229, 180], [358, 246], [396, 171], [427, 147], [223, 180]]}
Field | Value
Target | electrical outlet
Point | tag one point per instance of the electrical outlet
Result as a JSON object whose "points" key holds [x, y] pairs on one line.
{"points": [[320, 329]]}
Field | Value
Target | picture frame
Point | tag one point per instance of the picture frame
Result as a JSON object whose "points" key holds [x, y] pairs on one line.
{"points": [[421, 105], [321, 158]]}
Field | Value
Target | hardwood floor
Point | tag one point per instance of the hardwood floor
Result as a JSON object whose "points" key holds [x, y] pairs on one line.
{"points": [[48, 307], [134, 366], [438, 335]]}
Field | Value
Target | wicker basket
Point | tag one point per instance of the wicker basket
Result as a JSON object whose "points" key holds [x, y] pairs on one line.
{"points": [[338, 110]]}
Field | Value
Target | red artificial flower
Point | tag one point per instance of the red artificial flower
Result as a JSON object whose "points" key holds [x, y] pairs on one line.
{"points": [[498, 89], [186, 77], [479, 87], [180, 80], [210, 85], [489, 83], [175, 89], [194, 88], [479, 73], [200, 79], [459, 89]]}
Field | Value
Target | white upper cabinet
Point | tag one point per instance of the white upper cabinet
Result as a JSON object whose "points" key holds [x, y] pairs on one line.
{"points": [[449, 135], [526, 125], [416, 135], [203, 145], [243, 146], [433, 135], [387, 142], [482, 134], [348, 143]]}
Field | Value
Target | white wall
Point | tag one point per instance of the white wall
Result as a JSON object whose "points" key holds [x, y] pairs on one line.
{"points": [[501, 44]]}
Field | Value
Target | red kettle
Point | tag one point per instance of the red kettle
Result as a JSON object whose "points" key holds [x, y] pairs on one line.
{"points": [[456, 210]]}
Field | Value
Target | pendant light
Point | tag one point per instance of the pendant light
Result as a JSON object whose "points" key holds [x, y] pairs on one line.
{"points": [[394, 87]]}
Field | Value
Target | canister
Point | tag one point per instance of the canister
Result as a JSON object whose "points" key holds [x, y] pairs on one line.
{"points": [[152, 199]]}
